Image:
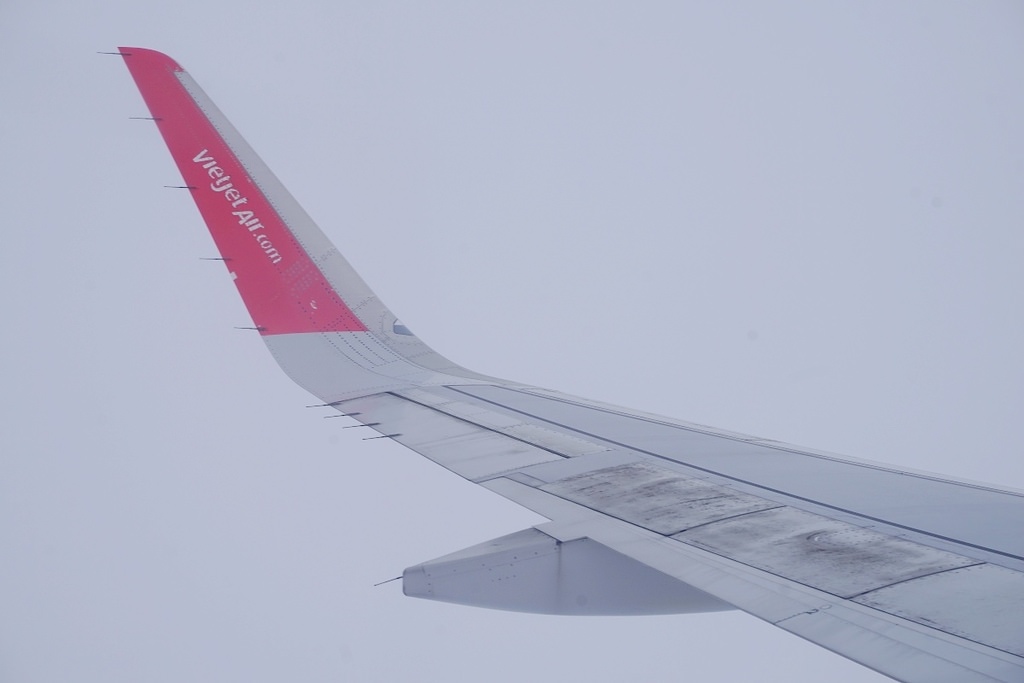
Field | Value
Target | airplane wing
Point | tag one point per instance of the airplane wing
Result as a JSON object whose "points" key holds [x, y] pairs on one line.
{"points": [[914, 575]]}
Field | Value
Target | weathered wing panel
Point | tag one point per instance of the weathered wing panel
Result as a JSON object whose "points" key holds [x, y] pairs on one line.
{"points": [[987, 519]]}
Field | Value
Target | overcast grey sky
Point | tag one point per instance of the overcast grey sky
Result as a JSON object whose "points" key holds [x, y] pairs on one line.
{"points": [[801, 222]]}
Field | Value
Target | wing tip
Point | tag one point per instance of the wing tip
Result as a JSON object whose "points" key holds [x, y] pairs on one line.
{"points": [[153, 57]]}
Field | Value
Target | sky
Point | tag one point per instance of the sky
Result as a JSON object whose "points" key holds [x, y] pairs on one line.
{"points": [[799, 221]]}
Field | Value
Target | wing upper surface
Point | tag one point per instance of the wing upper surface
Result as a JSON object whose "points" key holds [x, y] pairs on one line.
{"points": [[914, 575], [912, 604]]}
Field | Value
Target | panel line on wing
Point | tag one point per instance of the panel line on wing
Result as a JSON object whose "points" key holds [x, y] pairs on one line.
{"points": [[740, 480], [742, 438], [559, 443]]}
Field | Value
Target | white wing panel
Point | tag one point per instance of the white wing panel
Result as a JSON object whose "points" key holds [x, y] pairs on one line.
{"points": [[463, 447], [982, 603], [554, 440]]}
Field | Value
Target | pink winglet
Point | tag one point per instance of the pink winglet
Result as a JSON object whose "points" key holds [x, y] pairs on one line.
{"points": [[281, 286]]}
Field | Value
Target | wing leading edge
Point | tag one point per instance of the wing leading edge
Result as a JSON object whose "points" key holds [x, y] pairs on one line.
{"points": [[923, 580]]}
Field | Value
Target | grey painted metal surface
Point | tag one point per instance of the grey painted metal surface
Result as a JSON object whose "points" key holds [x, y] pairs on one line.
{"points": [[983, 603], [656, 498], [530, 571], [557, 441], [832, 556], [458, 445]]}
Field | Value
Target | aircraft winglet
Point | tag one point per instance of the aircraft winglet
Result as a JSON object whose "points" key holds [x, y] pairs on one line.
{"points": [[322, 323], [270, 245]]}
